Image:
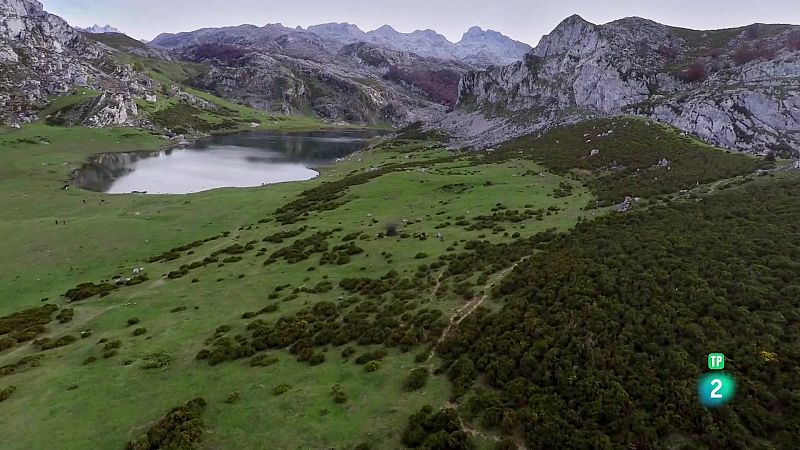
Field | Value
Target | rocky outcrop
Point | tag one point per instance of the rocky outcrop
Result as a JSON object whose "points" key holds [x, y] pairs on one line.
{"points": [[735, 88], [105, 110], [42, 57]]}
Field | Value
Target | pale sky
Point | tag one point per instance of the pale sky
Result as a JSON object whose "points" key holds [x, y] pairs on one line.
{"points": [[524, 20]]}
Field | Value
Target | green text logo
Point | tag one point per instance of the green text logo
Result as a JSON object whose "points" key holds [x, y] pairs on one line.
{"points": [[716, 361]]}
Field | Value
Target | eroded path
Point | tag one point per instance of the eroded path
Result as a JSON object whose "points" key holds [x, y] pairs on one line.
{"points": [[468, 308]]}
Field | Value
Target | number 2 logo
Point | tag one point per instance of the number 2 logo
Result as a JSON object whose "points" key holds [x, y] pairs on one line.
{"points": [[715, 392]]}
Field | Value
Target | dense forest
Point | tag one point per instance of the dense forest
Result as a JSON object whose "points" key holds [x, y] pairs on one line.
{"points": [[604, 332]]}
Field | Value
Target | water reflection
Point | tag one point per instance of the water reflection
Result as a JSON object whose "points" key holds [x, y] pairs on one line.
{"points": [[234, 160]]}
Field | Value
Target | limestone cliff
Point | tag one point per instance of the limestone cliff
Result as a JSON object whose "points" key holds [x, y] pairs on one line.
{"points": [[738, 88]]}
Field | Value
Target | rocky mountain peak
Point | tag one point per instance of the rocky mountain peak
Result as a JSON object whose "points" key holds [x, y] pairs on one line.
{"points": [[97, 29], [738, 88], [572, 35], [385, 29]]}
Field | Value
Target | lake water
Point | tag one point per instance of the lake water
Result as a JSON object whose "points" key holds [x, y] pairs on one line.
{"points": [[233, 160]]}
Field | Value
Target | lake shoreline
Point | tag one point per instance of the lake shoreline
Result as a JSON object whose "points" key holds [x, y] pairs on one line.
{"points": [[283, 156]]}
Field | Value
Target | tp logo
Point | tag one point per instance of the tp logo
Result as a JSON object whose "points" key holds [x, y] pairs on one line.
{"points": [[715, 388]]}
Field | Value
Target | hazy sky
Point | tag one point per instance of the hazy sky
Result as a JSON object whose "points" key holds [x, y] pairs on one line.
{"points": [[525, 20]]}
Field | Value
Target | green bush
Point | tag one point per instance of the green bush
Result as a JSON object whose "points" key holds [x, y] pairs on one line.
{"points": [[139, 331], [416, 379], [339, 394], [233, 397], [281, 389], [6, 393], [133, 321], [263, 360], [181, 428], [372, 366], [65, 315]]}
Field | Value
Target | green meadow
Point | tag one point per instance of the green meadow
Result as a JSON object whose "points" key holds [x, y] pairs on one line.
{"points": [[297, 311], [106, 403]]}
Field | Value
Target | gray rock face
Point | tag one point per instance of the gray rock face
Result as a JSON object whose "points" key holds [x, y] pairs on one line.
{"points": [[741, 94], [41, 56], [358, 82], [488, 47], [345, 92]]}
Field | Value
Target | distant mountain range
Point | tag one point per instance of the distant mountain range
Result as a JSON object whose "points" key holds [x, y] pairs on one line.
{"points": [[97, 29], [738, 88], [477, 47]]}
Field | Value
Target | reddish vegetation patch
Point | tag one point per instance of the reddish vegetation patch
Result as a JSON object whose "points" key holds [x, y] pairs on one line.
{"points": [[440, 85], [793, 41], [746, 54], [696, 72], [222, 52]]}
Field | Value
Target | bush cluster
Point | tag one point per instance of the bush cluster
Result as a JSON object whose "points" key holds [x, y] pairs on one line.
{"points": [[25, 325], [625, 302], [181, 428], [440, 430], [28, 362]]}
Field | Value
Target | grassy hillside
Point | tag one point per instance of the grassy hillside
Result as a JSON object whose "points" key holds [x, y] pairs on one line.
{"points": [[417, 182], [319, 314]]}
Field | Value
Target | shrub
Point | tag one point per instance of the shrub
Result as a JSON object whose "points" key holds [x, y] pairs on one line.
{"points": [[376, 355], [263, 360], [87, 290], [694, 73], [157, 361], [181, 428], [116, 343], [372, 366], [339, 394], [6, 393], [7, 342], [746, 54], [421, 255], [416, 379], [49, 343], [110, 354], [316, 359], [22, 364], [233, 397], [27, 322], [65, 315], [178, 309], [139, 331], [133, 321], [281, 389]]}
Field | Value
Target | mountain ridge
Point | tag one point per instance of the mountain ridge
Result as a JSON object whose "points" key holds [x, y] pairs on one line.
{"points": [[496, 48], [737, 88]]}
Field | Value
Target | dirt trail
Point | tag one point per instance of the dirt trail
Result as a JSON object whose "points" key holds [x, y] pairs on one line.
{"points": [[468, 308], [459, 316]]}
